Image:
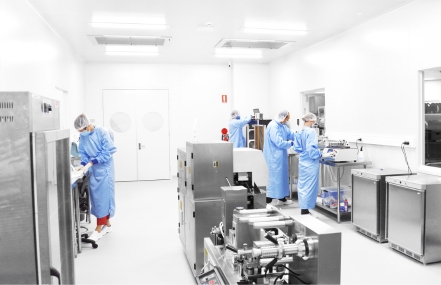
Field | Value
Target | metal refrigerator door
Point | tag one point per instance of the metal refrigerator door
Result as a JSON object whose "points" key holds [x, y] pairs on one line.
{"points": [[55, 220], [365, 204], [406, 217]]}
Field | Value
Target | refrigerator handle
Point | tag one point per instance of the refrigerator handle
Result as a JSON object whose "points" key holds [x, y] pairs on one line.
{"points": [[56, 273]]}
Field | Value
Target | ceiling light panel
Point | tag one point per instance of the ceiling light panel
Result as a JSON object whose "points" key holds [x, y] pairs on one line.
{"points": [[275, 31], [128, 53], [137, 26], [253, 44], [129, 40]]}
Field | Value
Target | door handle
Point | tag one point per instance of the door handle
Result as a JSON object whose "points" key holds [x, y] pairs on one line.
{"points": [[56, 273], [141, 146]]}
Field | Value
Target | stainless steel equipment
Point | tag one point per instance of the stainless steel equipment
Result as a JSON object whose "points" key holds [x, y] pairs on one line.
{"points": [[36, 225], [251, 172], [369, 201], [209, 165], [232, 197], [341, 154], [414, 216], [308, 247], [182, 190]]}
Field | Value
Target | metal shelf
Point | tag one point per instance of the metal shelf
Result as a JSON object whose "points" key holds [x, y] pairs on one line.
{"points": [[334, 210]]}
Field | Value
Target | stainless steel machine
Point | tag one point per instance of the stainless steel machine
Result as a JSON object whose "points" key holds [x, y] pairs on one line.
{"points": [[209, 165], [303, 250], [36, 225], [182, 191], [341, 154], [369, 201], [414, 216], [250, 171]]}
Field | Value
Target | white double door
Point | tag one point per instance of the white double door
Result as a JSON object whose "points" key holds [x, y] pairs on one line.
{"points": [[140, 124]]}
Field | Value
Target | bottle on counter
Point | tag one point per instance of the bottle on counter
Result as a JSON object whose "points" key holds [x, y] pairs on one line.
{"points": [[360, 154], [346, 205]]}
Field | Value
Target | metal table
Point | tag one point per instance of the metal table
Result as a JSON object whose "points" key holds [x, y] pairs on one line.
{"points": [[293, 169], [338, 165]]}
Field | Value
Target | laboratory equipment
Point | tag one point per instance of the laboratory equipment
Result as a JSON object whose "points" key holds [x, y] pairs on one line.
{"points": [[305, 251], [36, 224], [182, 190], [341, 154], [209, 166], [369, 201], [251, 172], [414, 216]]}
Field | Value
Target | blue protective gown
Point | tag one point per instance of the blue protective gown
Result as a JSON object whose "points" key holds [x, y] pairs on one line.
{"points": [[236, 134], [306, 145], [275, 151], [98, 147]]}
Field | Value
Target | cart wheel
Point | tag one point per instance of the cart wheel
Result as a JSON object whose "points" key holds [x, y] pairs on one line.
{"points": [[94, 245]]}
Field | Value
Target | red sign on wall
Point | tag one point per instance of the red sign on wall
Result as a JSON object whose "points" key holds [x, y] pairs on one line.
{"points": [[224, 98]]}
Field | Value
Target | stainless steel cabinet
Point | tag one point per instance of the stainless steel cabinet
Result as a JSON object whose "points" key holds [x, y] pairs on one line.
{"points": [[200, 217], [182, 190], [369, 201], [414, 216], [208, 164], [36, 226]]}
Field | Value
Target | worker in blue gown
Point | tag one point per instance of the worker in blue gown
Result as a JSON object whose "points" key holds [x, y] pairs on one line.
{"points": [[278, 139], [236, 125], [96, 149], [306, 144]]}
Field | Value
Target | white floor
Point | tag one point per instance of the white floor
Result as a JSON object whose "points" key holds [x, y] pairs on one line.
{"points": [[144, 247]]}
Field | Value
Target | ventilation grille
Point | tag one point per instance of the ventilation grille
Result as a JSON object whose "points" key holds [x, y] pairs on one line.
{"points": [[6, 119], [415, 256], [256, 44], [126, 40], [6, 105], [366, 233]]}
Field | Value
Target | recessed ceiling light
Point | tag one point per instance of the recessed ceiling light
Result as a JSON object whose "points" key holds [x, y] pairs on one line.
{"points": [[129, 25]]}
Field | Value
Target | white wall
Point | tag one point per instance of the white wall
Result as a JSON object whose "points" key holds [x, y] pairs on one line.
{"points": [[432, 90], [194, 91], [370, 74], [34, 58]]}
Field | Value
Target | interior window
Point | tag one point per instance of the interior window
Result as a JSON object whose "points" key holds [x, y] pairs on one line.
{"points": [[432, 117]]}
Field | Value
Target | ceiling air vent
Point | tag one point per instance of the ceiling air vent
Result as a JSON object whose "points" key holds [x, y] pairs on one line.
{"points": [[258, 44], [129, 40]]}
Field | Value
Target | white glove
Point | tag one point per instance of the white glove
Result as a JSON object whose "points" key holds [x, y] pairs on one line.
{"points": [[86, 167], [329, 154], [78, 168]]}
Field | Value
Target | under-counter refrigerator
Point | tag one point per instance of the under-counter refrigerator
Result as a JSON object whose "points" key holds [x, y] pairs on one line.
{"points": [[369, 201], [36, 226], [414, 216]]}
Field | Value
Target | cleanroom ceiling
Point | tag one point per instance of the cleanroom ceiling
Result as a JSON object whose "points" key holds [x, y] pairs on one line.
{"points": [[194, 28]]}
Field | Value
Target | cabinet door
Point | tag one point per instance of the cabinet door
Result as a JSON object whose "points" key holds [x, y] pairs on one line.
{"points": [[181, 211], [406, 217], [365, 204], [190, 234]]}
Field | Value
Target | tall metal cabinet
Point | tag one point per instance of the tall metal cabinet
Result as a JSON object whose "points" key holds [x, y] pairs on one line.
{"points": [[208, 166], [36, 226], [182, 190], [414, 216]]}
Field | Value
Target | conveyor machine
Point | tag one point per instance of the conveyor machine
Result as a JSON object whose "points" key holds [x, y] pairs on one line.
{"points": [[263, 246]]}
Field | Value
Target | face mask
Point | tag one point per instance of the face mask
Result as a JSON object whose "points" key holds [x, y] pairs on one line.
{"points": [[84, 133], [238, 117]]}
